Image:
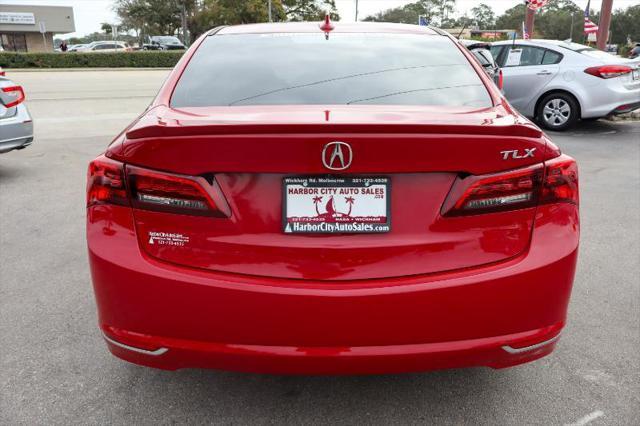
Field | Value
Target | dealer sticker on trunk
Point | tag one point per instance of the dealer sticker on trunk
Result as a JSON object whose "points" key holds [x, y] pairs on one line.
{"points": [[329, 205]]}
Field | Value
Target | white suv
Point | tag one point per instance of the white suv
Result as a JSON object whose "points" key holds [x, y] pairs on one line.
{"points": [[106, 46]]}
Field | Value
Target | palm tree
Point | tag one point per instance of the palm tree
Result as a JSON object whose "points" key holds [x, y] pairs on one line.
{"points": [[317, 200], [350, 201]]}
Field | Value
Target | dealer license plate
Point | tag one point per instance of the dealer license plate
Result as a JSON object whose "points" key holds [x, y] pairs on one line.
{"points": [[636, 74], [333, 205]]}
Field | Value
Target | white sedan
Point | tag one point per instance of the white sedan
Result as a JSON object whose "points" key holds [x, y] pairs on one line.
{"points": [[559, 82]]}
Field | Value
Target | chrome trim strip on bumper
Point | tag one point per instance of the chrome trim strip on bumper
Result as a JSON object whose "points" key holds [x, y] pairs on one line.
{"points": [[512, 350], [157, 352], [17, 139]]}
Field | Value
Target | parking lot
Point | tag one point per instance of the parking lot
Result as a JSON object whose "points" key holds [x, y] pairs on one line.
{"points": [[55, 367]]}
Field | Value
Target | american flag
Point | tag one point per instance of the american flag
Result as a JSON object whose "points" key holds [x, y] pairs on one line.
{"points": [[589, 27], [535, 4]]}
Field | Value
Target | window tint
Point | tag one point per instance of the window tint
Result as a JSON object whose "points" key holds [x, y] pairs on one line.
{"points": [[484, 61], [495, 51], [551, 57], [531, 56], [294, 69]]}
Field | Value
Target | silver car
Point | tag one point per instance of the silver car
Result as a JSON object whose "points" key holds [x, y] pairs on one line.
{"points": [[16, 126], [558, 82]]}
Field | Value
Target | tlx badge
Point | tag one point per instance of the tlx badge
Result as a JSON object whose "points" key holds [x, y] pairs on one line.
{"points": [[515, 154]]}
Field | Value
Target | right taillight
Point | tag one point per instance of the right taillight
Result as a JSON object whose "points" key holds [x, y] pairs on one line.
{"points": [[609, 71], [554, 182], [111, 182], [560, 181]]}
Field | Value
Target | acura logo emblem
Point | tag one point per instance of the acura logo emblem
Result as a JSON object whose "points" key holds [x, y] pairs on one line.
{"points": [[337, 155]]}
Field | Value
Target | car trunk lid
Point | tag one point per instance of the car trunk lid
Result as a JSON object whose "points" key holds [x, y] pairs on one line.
{"points": [[247, 153]]}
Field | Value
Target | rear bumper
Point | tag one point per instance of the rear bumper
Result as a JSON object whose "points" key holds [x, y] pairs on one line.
{"points": [[600, 102], [495, 352], [16, 132], [625, 108], [170, 317]]}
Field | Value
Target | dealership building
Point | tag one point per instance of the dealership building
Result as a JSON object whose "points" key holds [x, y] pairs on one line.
{"points": [[26, 28]]}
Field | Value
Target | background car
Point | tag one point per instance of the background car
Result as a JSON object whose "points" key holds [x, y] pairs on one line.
{"points": [[635, 52], [106, 46], [76, 47], [482, 53], [163, 43], [558, 82], [16, 126]]}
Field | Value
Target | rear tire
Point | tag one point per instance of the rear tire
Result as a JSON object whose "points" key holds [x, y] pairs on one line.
{"points": [[557, 111]]}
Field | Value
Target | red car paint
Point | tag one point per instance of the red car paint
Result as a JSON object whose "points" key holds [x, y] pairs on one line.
{"points": [[228, 289]]}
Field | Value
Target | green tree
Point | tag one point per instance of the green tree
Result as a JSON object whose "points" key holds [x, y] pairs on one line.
{"points": [[483, 16], [106, 27], [554, 21], [212, 13], [625, 25], [511, 19], [436, 11], [309, 10], [152, 17]]}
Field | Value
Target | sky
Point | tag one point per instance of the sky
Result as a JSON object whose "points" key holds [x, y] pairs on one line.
{"points": [[89, 14]]}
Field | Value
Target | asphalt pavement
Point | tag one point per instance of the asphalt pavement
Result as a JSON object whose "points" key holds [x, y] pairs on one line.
{"points": [[55, 368]]}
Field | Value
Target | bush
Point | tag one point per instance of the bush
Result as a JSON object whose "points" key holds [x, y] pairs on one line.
{"points": [[139, 59]]}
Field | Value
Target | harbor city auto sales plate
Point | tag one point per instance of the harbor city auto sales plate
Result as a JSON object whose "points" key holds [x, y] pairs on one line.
{"points": [[336, 204]]}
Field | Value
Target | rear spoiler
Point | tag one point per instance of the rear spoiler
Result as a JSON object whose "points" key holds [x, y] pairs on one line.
{"points": [[524, 129]]}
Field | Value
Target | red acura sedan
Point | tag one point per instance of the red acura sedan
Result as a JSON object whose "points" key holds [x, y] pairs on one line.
{"points": [[333, 199]]}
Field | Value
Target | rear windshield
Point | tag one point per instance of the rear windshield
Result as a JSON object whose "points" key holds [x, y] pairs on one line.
{"points": [[166, 39], [346, 69], [586, 50]]}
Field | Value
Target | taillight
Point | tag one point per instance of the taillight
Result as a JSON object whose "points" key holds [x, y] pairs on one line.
{"points": [[500, 79], [106, 182], [560, 181], [171, 193], [609, 71], [555, 182], [12, 96], [111, 182], [497, 192]]}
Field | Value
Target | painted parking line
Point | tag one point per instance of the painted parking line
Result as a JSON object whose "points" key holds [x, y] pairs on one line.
{"points": [[588, 418]]}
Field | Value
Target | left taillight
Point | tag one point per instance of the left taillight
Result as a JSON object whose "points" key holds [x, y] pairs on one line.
{"points": [[500, 79], [172, 193], [106, 182], [112, 182], [555, 181], [12, 96]]}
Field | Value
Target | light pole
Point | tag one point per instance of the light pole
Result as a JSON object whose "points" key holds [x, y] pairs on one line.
{"points": [[184, 22], [356, 10], [571, 30], [270, 20], [530, 18]]}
